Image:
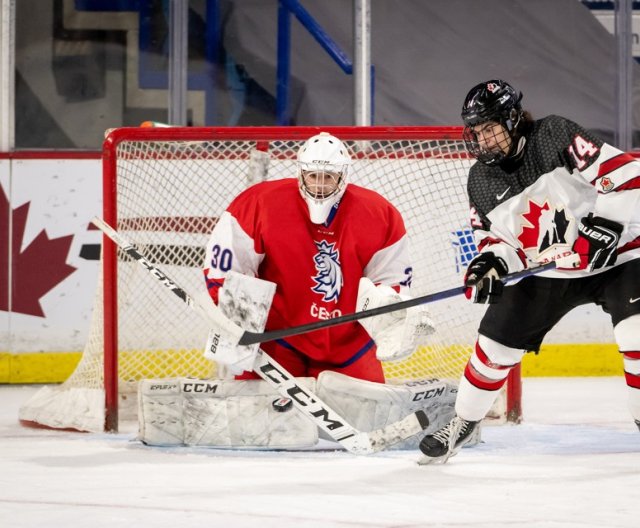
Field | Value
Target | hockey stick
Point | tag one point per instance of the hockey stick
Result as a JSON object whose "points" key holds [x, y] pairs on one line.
{"points": [[245, 337], [250, 338], [354, 441]]}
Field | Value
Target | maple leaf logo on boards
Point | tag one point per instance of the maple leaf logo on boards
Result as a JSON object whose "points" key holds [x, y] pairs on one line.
{"points": [[543, 228], [36, 270]]}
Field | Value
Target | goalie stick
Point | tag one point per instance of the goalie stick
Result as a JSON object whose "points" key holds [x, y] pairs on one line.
{"points": [[354, 441]]}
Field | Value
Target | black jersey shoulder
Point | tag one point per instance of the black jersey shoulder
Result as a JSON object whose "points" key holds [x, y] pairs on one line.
{"points": [[545, 149]]}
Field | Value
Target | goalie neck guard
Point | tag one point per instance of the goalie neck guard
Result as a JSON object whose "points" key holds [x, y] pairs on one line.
{"points": [[323, 171]]}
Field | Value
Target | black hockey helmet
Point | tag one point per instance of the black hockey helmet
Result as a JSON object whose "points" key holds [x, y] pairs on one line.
{"points": [[495, 101], [491, 101]]}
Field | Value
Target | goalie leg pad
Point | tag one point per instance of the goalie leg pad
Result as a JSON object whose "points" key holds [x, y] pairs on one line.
{"points": [[160, 412], [368, 406], [222, 413]]}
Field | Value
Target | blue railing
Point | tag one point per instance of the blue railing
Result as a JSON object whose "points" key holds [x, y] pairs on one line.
{"points": [[285, 9], [150, 77]]}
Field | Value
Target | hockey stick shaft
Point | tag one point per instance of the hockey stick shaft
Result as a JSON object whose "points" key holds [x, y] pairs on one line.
{"points": [[274, 374], [250, 338], [209, 310], [354, 441]]}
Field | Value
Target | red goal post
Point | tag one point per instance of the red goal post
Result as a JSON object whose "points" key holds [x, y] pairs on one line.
{"points": [[164, 188]]}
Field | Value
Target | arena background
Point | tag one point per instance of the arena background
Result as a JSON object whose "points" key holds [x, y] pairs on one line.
{"points": [[72, 69]]}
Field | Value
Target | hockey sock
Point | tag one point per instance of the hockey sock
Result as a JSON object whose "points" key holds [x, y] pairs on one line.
{"points": [[485, 374], [627, 334]]}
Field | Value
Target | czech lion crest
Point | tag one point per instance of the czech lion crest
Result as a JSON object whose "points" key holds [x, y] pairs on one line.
{"points": [[329, 278]]}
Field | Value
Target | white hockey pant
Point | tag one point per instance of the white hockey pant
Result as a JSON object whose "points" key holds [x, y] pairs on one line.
{"points": [[485, 374], [627, 334]]}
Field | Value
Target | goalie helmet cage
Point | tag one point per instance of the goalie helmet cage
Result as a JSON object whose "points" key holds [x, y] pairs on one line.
{"points": [[164, 189]]}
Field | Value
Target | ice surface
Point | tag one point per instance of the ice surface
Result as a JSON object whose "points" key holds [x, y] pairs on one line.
{"points": [[574, 462]]}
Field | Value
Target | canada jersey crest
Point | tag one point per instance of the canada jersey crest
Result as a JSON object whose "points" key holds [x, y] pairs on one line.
{"points": [[544, 230], [328, 280]]}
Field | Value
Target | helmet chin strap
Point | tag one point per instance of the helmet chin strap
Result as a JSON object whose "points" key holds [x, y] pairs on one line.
{"points": [[517, 147], [517, 143], [520, 147]]}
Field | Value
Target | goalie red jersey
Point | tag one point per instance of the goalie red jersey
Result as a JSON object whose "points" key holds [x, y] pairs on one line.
{"points": [[266, 232]]}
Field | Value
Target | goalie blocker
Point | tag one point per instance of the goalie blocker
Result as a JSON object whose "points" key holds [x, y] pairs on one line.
{"points": [[250, 414], [245, 301]]}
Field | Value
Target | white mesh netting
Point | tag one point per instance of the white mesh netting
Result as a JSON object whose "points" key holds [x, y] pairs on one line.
{"points": [[169, 196]]}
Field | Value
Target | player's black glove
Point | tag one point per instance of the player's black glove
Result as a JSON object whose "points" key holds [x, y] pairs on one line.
{"points": [[597, 242], [483, 278]]}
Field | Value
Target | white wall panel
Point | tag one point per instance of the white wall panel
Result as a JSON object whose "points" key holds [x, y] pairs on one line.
{"points": [[61, 196]]}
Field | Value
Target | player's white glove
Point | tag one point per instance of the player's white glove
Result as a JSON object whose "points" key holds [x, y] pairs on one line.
{"points": [[246, 301], [397, 334]]}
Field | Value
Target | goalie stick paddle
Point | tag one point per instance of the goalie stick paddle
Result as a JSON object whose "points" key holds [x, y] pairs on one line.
{"points": [[354, 441]]}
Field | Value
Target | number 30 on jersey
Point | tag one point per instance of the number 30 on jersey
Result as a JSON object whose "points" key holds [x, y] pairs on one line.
{"points": [[221, 258]]}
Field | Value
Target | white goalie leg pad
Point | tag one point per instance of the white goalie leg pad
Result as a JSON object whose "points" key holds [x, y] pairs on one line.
{"points": [[223, 413], [397, 334], [160, 412], [246, 301], [368, 406], [244, 414]]}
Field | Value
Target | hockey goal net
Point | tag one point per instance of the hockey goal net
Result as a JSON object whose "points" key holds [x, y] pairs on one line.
{"points": [[164, 189]]}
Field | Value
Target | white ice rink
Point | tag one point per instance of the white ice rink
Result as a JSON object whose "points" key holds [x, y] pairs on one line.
{"points": [[575, 462]]}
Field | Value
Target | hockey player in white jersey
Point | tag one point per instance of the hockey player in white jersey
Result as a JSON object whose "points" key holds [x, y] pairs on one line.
{"points": [[541, 190]]}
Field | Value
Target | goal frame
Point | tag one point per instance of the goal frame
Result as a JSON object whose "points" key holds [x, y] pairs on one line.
{"points": [[262, 136]]}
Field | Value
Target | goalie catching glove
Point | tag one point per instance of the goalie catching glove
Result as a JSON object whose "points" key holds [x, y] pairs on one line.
{"points": [[396, 334], [246, 301]]}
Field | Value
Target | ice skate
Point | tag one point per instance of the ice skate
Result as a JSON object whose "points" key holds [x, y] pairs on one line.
{"points": [[446, 442]]}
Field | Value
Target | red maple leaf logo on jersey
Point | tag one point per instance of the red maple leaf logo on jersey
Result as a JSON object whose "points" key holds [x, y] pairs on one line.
{"points": [[606, 183], [36, 269], [543, 227], [531, 225]]}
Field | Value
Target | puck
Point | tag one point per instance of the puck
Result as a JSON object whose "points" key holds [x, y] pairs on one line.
{"points": [[282, 404]]}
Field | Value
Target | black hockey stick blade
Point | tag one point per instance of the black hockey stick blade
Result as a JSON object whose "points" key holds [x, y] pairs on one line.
{"points": [[250, 338]]}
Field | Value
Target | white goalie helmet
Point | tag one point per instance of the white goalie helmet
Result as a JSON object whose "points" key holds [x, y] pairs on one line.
{"points": [[323, 172]]}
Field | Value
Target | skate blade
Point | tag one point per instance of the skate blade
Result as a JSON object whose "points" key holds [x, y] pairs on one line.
{"points": [[429, 461]]}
